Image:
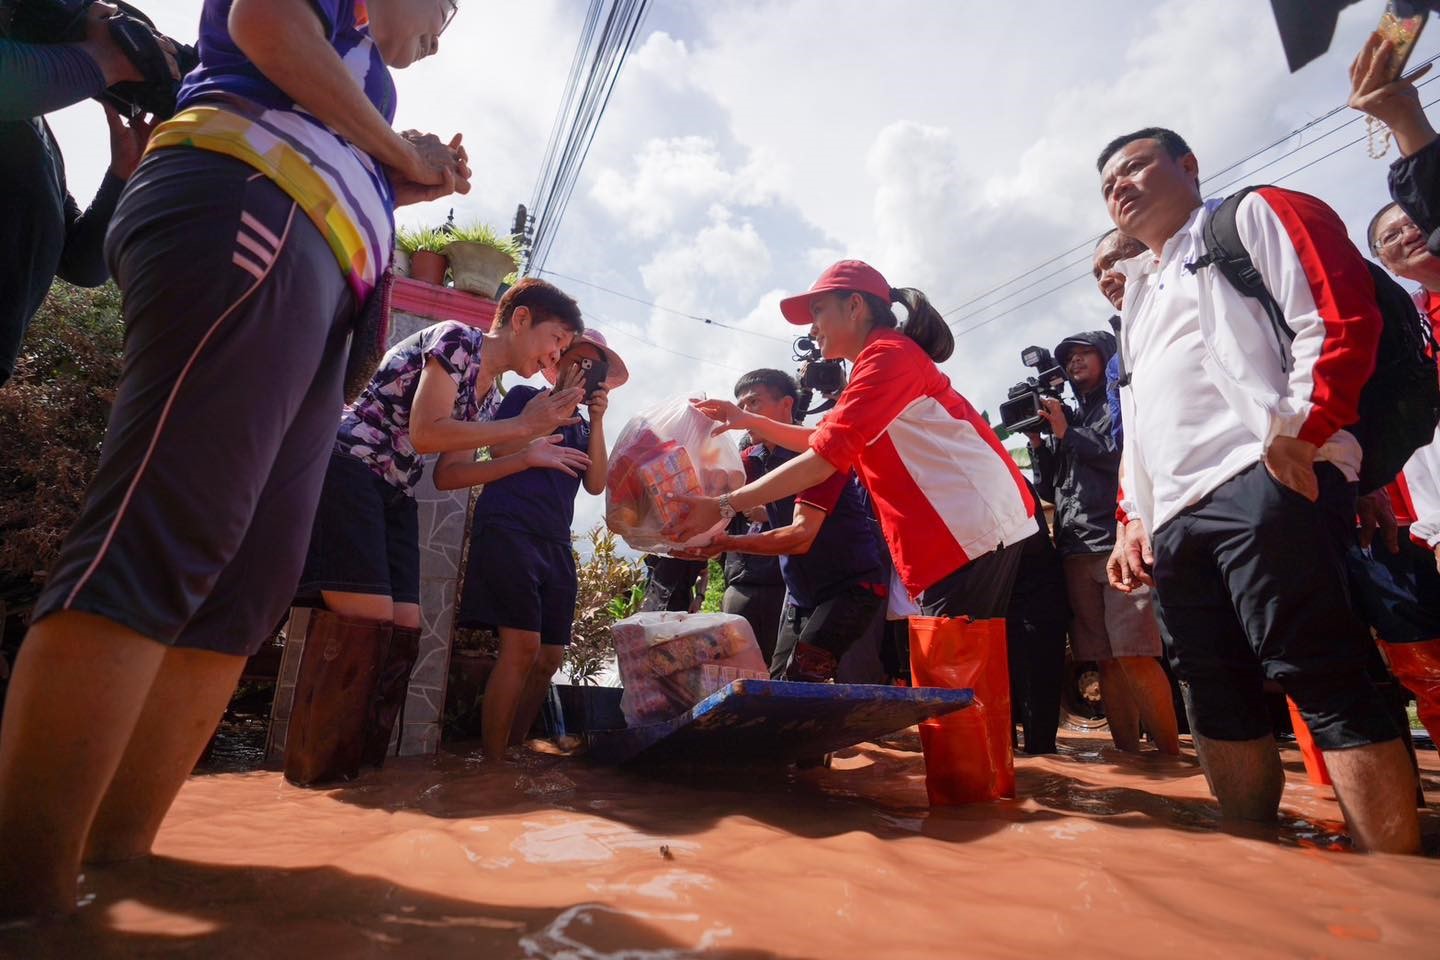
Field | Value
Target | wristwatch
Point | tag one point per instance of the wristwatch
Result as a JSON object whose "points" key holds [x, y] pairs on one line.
{"points": [[727, 512]]}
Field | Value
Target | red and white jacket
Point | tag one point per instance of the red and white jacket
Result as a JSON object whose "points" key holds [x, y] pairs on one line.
{"points": [[944, 488], [1215, 418]]}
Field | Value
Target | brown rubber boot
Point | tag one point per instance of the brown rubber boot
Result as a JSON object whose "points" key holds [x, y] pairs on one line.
{"points": [[333, 691], [391, 687]]}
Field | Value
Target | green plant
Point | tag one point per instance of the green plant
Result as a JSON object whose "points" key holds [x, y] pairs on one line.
{"points": [[53, 413], [483, 233], [426, 239], [714, 588], [610, 588]]}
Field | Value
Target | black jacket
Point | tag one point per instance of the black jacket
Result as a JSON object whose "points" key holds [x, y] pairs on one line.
{"points": [[43, 232], [1080, 474], [1415, 185]]}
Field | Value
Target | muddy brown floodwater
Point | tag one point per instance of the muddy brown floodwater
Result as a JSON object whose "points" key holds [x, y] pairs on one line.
{"points": [[1104, 855]]}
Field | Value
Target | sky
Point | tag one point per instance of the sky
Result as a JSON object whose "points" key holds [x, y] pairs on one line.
{"points": [[748, 145]]}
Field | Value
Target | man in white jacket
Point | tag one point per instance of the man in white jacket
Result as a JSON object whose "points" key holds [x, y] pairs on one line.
{"points": [[1237, 458]]}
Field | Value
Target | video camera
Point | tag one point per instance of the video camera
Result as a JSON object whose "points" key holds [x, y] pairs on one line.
{"points": [[63, 21], [816, 375], [1020, 413]]}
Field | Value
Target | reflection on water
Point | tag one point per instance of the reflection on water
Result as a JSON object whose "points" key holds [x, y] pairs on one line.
{"points": [[552, 857]]}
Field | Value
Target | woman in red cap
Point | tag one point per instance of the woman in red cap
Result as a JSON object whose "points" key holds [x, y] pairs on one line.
{"points": [[951, 502]]}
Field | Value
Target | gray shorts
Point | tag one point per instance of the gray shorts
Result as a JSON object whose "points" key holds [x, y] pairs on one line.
{"points": [[1107, 623], [194, 529]]}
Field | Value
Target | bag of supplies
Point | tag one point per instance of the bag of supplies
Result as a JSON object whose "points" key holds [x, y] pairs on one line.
{"points": [[671, 661], [667, 451]]}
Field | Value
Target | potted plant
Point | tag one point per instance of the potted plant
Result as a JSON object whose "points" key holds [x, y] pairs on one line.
{"points": [[610, 589], [424, 252], [480, 257]]}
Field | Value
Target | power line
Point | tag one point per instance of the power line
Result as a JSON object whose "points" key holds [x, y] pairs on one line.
{"points": [[600, 54], [660, 306], [1090, 241], [612, 325], [1300, 169]]}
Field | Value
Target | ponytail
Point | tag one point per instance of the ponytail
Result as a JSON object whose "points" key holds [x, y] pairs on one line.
{"points": [[923, 323]]}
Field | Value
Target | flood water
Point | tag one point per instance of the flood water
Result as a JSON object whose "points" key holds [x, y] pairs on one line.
{"points": [[1104, 855]]}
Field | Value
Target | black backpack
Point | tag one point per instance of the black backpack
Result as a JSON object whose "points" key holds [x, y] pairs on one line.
{"points": [[1400, 403]]}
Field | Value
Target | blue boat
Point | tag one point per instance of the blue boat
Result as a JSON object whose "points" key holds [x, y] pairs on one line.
{"points": [[756, 722]]}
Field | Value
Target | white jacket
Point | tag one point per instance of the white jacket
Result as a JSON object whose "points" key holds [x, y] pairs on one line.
{"points": [[1325, 291]]}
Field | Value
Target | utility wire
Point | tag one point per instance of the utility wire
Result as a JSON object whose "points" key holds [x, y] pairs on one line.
{"points": [[1094, 238], [1086, 260], [612, 325], [1300, 169], [660, 306]]}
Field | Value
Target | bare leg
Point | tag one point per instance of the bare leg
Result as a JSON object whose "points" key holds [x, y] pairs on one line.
{"points": [[1375, 785], [186, 701], [1120, 708], [79, 685], [1150, 689], [1245, 776], [374, 607], [518, 651], [407, 615], [537, 685]]}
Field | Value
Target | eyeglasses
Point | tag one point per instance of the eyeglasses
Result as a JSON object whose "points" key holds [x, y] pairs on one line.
{"points": [[449, 15], [1394, 235]]}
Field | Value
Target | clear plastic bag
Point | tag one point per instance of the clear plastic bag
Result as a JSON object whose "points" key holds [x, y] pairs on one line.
{"points": [[667, 450], [671, 661]]}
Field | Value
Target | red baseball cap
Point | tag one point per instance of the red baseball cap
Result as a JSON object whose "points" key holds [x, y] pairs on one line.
{"points": [[853, 275]]}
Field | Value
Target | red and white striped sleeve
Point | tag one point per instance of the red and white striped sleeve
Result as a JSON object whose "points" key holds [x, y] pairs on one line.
{"points": [[1323, 286]]}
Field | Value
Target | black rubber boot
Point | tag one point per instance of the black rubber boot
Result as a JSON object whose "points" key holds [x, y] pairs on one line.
{"points": [[391, 688]]}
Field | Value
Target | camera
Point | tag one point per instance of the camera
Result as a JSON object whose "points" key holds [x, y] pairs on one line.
{"points": [[63, 21], [1020, 413], [816, 375]]}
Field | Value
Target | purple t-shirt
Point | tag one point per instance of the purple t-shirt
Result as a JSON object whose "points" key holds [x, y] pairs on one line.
{"points": [[375, 429], [227, 105]]}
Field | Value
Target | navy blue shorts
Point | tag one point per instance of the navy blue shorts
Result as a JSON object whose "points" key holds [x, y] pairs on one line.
{"points": [[366, 537], [520, 581], [237, 317], [1251, 584]]}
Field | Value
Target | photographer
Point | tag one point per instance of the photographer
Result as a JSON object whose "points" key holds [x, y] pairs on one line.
{"points": [[43, 232], [1078, 469]]}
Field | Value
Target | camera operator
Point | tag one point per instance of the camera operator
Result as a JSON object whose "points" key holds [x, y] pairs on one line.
{"points": [[43, 232], [1078, 469]]}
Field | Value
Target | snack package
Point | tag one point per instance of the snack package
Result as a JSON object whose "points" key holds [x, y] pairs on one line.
{"points": [[671, 661], [667, 451]]}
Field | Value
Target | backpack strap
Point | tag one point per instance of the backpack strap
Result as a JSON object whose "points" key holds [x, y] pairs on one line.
{"points": [[1225, 251]]}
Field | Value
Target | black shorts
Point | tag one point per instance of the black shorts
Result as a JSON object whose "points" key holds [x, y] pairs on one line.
{"points": [[366, 537], [979, 590], [193, 530], [521, 581], [834, 625], [1251, 584]]}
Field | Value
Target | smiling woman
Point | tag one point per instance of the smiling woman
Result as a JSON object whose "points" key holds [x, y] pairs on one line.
{"points": [[951, 503]]}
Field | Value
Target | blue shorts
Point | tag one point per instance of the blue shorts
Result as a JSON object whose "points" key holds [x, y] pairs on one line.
{"points": [[517, 580]]}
